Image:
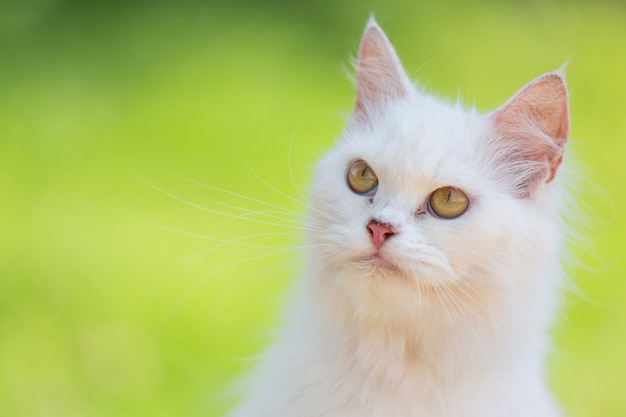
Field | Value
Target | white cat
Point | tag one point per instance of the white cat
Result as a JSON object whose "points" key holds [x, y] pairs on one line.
{"points": [[435, 260]]}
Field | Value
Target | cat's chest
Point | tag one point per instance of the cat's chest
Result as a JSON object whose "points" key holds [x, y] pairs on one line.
{"points": [[346, 387], [405, 399]]}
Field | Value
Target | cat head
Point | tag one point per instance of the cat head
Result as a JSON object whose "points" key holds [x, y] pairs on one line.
{"points": [[422, 202]]}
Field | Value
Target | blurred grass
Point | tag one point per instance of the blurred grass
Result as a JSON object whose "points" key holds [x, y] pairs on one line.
{"points": [[96, 96]]}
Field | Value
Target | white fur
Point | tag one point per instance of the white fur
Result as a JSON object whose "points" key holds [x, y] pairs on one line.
{"points": [[453, 322]]}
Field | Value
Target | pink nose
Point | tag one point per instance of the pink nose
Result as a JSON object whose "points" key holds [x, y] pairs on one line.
{"points": [[380, 233]]}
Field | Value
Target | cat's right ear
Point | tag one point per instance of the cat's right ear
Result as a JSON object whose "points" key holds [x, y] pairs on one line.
{"points": [[381, 77]]}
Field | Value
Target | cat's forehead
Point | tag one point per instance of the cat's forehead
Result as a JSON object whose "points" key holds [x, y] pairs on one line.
{"points": [[421, 141]]}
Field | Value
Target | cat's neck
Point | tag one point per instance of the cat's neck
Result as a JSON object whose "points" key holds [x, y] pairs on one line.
{"points": [[442, 335]]}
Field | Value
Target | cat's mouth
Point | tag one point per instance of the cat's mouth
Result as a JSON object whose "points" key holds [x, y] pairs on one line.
{"points": [[379, 263]]}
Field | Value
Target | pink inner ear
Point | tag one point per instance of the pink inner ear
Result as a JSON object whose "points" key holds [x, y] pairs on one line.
{"points": [[380, 73], [544, 101], [537, 116]]}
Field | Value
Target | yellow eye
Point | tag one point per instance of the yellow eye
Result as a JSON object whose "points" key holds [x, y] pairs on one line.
{"points": [[448, 202], [361, 178]]}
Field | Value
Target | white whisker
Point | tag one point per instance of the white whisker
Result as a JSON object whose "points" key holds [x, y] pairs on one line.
{"points": [[213, 211], [204, 280], [287, 196], [234, 194]]}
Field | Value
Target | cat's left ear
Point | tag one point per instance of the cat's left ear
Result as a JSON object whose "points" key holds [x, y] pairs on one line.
{"points": [[532, 129], [381, 77]]}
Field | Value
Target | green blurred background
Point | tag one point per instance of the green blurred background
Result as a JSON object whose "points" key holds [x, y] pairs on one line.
{"points": [[124, 290]]}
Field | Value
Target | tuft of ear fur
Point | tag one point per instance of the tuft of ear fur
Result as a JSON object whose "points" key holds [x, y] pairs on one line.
{"points": [[532, 129], [380, 74]]}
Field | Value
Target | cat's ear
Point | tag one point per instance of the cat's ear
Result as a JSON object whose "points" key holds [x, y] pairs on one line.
{"points": [[381, 77], [532, 129]]}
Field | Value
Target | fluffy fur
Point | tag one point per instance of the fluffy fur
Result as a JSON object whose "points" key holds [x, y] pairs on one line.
{"points": [[449, 317]]}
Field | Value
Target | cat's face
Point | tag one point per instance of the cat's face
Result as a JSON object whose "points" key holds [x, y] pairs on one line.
{"points": [[421, 201]]}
